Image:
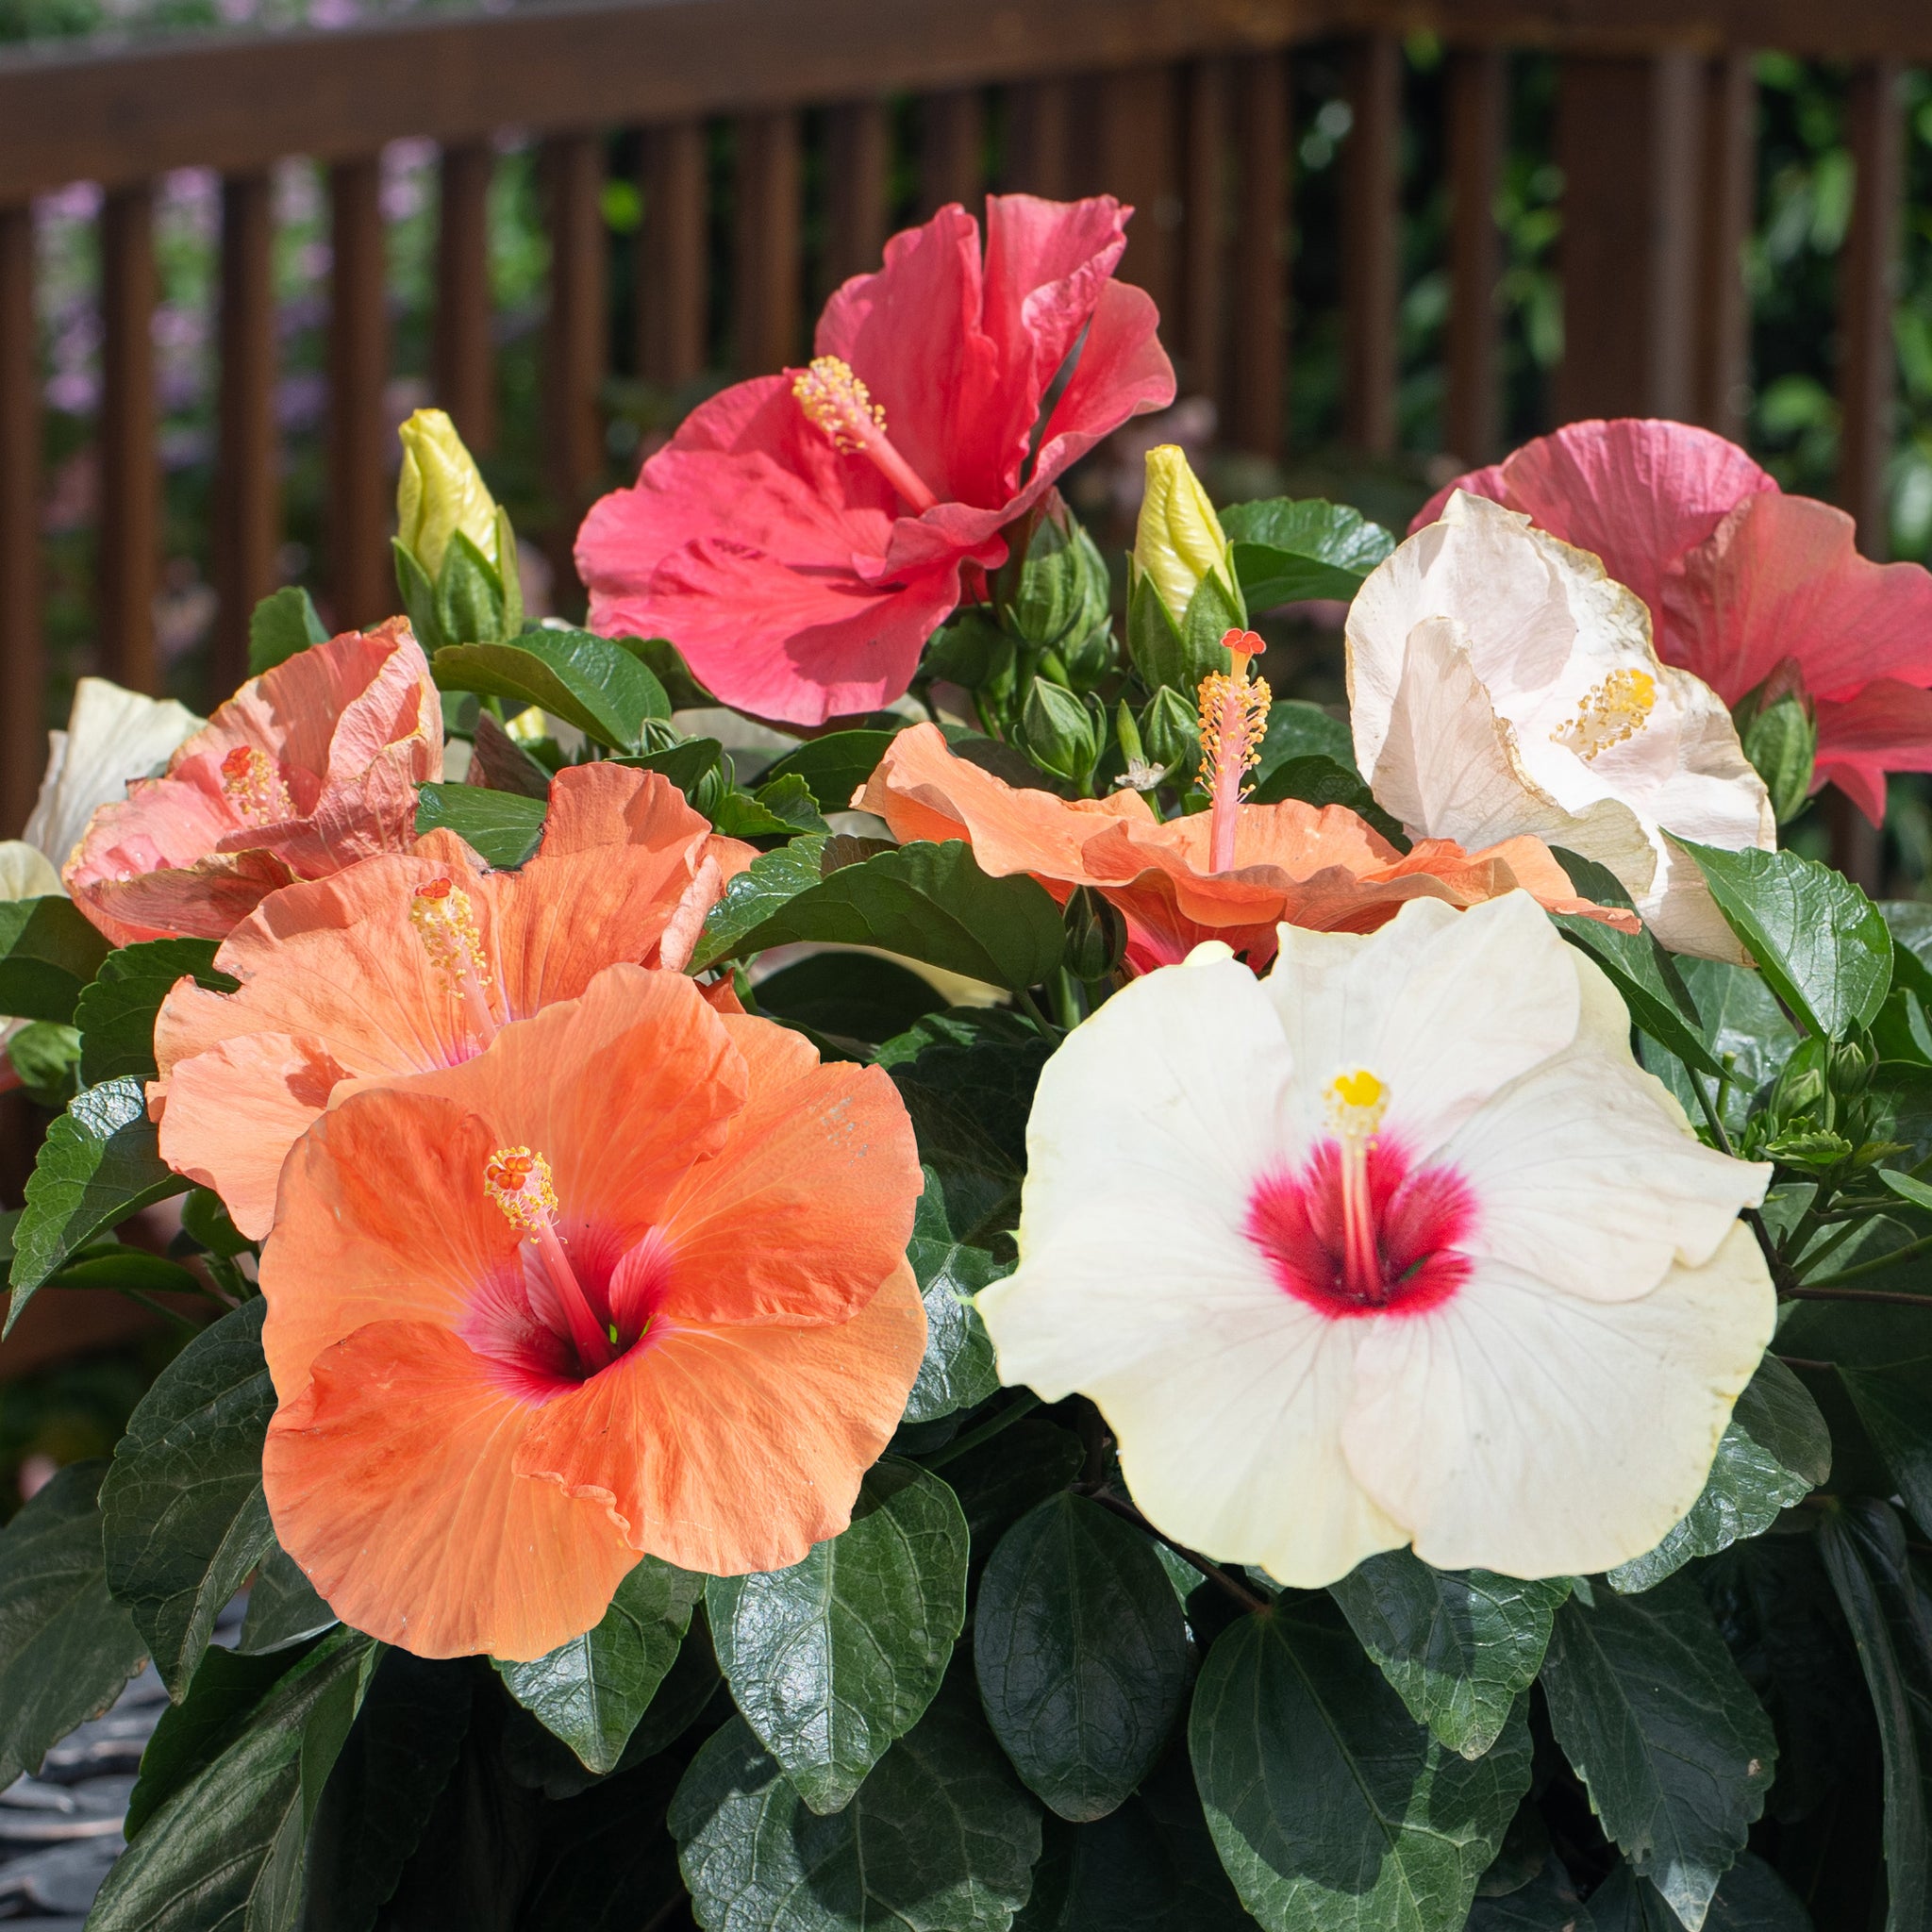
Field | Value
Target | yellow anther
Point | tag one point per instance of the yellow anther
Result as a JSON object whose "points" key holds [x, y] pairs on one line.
{"points": [[1616, 709], [839, 403], [440, 911], [518, 1180], [1357, 1102], [254, 787]]}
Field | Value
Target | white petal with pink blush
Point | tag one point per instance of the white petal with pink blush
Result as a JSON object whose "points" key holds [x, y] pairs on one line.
{"points": [[1500, 683], [1396, 1246]]}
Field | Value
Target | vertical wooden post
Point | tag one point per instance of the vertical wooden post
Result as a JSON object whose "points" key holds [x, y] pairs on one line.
{"points": [[464, 361], [23, 656], [673, 281], [248, 479], [129, 463], [767, 253], [1039, 135], [858, 155], [1203, 231], [951, 150], [1728, 207], [1259, 350], [1372, 242], [1868, 271], [361, 585], [575, 330], [1139, 156], [1626, 141], [1478, 96]]}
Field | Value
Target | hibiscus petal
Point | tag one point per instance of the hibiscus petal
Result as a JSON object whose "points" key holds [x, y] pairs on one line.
{"points": [[1887, 728]]}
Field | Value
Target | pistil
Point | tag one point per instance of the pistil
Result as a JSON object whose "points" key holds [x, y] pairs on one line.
{"points": [[1234, 720], [838, 401], [1357, 1102], [251, 783], [446, 921], [518, 1180]]}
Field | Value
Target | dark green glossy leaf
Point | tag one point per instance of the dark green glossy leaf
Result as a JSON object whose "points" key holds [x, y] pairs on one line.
{"points": [[1675, 1749], [958, 1369], [574, 674], [98, 1165], [107, 1264], [855, 995], [770, 882], [283, 1607], [983, 1062], [1004, 1477], [48, 952], [1746, 1033], [593, 1690], [1317, 779], [501, 828], [45, 1057], [1334, 1810], [1459, 1646], [116, 1013], [939, 1838], [1287, 550], [835, 1658], [781, 809], [66, 1647], [1818, 939], [1547, 1903], [183, 1516], [1894, 1402], [284, 622], [1081, 1653], [1297, 729], [834, 766], [1751, 1898], [686, 764], [607, 1863], [1775, 1451]]}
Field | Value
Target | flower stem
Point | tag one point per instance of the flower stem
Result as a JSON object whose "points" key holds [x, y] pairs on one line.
{"points": [[1248, 1598], [1876, 1265], [1893, 1297], [1022, 1405]]}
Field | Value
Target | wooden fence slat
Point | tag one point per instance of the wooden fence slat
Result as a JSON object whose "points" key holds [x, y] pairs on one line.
{"points": [[247, 524], [574, 333], [766, 300], [1728, 205], [1627, 141], [858, 155], [1478, 97], [129, 533], [1372, 242], [1202, 315], [673, 279], [951, 150], [1139, 114], [1868, 271], [22, 656], [1040, 138], [465, 359], [362, 583], [1260, 349]]}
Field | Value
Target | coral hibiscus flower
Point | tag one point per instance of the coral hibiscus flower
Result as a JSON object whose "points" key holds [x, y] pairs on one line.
{"points": [[1324, 866], [412, 961], [1744, 583], [630, 1282], [305, 770], [1397, 1245], [803, 535]]}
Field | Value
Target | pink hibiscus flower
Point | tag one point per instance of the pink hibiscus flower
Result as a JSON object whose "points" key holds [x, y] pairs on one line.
{"points": [[804, 533], [1744, 583], [303, 771]]}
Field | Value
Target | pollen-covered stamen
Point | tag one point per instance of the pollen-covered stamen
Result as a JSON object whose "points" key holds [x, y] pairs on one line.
{"points": [[1234, 720], [1616, 709], [518, 1180], [1357, 1102], [839, 402], [252, 786], [446, 921]]}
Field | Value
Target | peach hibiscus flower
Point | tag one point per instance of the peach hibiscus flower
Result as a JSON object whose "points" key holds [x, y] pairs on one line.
{"points": [[305, 770], [630, 1282], [413, 961], [1395, 1246]]}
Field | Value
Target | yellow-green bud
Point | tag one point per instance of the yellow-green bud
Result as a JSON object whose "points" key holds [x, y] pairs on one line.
{"points": [[440, 492], [1179, 540]]}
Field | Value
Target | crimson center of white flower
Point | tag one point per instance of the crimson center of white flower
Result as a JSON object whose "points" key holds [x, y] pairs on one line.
{"points": [[1356, 1232]]}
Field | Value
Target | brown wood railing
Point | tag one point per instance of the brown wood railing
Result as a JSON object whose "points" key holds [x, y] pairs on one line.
{"points": [[1181, 107]]}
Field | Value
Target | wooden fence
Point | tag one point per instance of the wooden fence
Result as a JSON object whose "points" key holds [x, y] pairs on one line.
{"points": [[1181, 107]]}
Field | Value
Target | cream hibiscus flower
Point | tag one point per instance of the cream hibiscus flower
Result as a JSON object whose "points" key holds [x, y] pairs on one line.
{"points": [[1500, 683], [1398, 1246]]}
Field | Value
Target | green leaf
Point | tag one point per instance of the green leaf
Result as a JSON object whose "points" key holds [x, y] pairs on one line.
{"points": [[45, 1057], [1332, 1809], [772, 880], [1297, 729], [1775, 1451], [574, 674], [958, 1369], [227, 1848], [779, 810], [939, 1838], [48, 952], [1818, 939], [998, 1482], [107, 1264], [835, 1658], [469, 603], [606, 1862], [1894, 1402], [1459, 1646], [1547, 1903], [284, 622], [1319, 780], [983, 1061], [116, 1014], [66, 1647], [834, 766], [98, 1165], [183, 1516], [1287, 550], [502, 828], [1081, 1652], [687, 763], [855, 995], [593, 1690], [1751, 1898], [1675, 1750], [923, 902], [283, 1607]]}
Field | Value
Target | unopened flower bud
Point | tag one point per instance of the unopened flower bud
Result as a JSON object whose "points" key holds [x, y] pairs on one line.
{"points": [[1096, 935], [1179, 540], [1061, 734], [1170, 728], [441, 491], [1060, 597]]}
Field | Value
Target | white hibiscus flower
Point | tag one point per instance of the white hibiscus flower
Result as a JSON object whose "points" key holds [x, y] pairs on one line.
{"points": [[1396, 1246], [1500, 683]]}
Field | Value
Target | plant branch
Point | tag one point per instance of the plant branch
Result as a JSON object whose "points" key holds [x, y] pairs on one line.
{"points": [[1030, 1007], [1821, 1291], [1021, 1406], [1780, 1268], [1876, 1265], [1248, 1598]]}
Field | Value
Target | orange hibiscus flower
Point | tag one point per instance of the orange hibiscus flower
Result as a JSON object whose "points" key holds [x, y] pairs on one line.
{"points": [[631, 1281], [1324, 866], [412, 961], [305, 770]]}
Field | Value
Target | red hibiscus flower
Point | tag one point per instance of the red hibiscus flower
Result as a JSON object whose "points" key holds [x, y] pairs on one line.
{"points": [[803, 534], [1744, 583]]}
